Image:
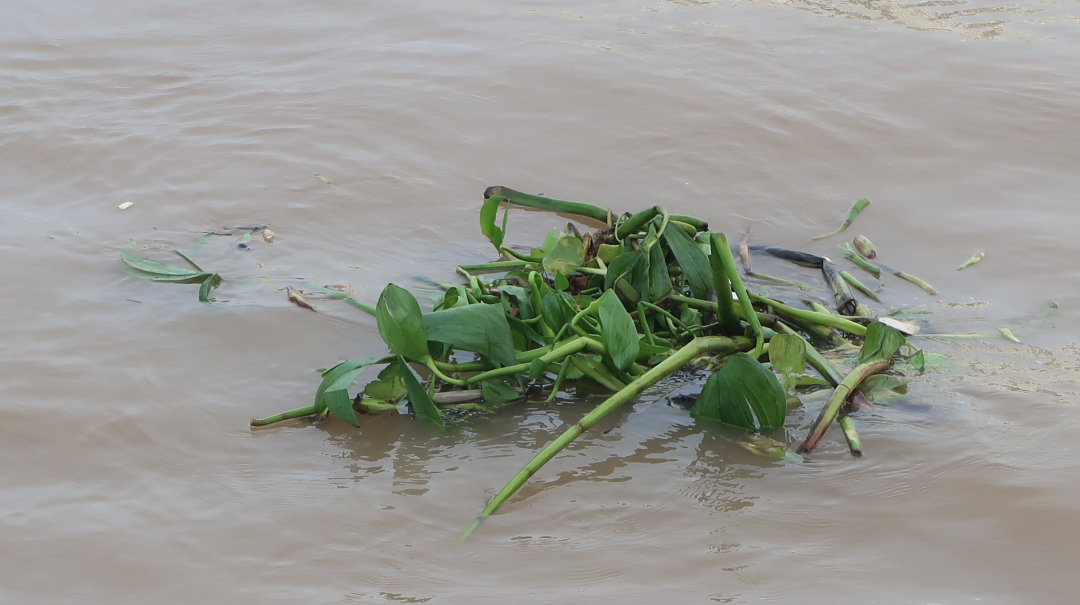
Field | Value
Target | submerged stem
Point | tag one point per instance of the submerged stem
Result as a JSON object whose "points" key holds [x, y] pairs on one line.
{"points": [[662, 370]]}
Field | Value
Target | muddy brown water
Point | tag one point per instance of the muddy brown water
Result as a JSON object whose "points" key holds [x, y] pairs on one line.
{"points": [[128, 473]]}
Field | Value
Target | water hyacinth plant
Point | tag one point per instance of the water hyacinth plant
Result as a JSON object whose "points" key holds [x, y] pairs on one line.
{"points": [[622, 308]]}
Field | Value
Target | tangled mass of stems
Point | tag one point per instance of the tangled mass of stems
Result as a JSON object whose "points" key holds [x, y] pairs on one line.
{"points": [[622, 307]]}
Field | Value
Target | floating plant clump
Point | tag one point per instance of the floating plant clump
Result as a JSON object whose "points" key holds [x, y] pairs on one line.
{"points": [[621, 308]]}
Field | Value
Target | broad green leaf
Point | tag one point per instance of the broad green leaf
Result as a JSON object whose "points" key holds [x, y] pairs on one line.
{"points": [[621, 267], [659, 279], [526, 332], [333, 391], [389, 386], [421, 403], [565, 256], [536, 368], [882, 342], [482, 329], [488, 213], [787, 353], [710, 405], [521, 295], [401, 324], [918, 361], [619, 335], [453, 297], [561, 283], [554, 311], [743, 385], [691, 259], [496, 391]]}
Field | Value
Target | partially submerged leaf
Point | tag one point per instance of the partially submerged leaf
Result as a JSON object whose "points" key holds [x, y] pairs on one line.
{"points": [[401, 324], [482, 329], [787, 353], [742, 385], [882, 342], [496, 391], [421, 403], [333, 392], [971, 261], [389, 386], [881, 384]]}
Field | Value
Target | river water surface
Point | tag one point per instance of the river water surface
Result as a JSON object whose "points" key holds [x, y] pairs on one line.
{"points": [[128, 473]]}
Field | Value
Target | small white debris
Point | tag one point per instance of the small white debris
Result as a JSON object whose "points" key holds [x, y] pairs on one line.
{"points": [[126, 205], [268, 236], [900, 326]]}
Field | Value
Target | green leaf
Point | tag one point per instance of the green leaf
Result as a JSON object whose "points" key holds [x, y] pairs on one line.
{"points": [[211, 281], [787, 353], [565, 256], [480, 328], [521, 295], [401, 324], [561, 283], [536, 368], [421, 403], [619, 336], [882, 342], [333, 391], [496, 391], [659, 279], [526, 332], [918, 361], [881, 384], [488, 213], [741, 386], [155, 268], [554, 311], [390, 385], [691, 259]]}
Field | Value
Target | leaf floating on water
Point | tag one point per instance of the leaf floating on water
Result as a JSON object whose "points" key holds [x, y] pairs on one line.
{"points": [[1007, 333], [126, 205], [298, 300], [323, 179], [864, 246], [971, 261], [854, 212]]}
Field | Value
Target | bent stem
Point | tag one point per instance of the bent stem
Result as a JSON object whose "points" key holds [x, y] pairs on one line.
{"points": [[662, 370], [839, 395]]}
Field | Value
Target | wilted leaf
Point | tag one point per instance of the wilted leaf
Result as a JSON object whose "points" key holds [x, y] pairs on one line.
{"points": [[787, 353], [565, 256]]}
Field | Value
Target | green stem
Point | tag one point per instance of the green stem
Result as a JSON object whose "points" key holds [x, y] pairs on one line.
{"points": [[839, 395], [563, 371], [662, 370], [502, 265], [852, 437], [850, 254], [552, 205], [290, 415], [825, 319], [605, 381], [861, 287], [744, 298], [635, 223]]}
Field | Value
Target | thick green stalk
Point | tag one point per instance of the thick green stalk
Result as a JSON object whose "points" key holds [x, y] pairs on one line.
{"points": [[502, 265], [848, 426], [839, 395], [825, 319], [662, 370], [290, 415], [729, 322], [744, 299], [635, 223], [854, 257], [703, 305], [552, 205]]}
